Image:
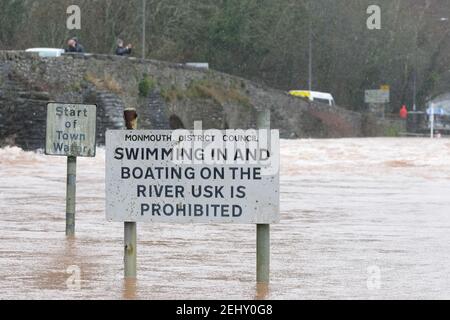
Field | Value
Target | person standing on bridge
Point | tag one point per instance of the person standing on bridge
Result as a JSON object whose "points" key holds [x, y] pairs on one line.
{"points": [[121, 50], [74, 46]]}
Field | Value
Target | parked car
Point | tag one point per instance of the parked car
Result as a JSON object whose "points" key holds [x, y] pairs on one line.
{"points": [[314, 96], [47, 52]]}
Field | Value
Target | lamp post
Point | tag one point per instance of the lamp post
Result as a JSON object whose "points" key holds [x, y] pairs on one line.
{"points": [[415, 86], [144, 2], [441, 19], [310, 57], [432, 121]]}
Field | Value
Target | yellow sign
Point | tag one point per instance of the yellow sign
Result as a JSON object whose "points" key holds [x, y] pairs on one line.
{"points": [[385, 87], [299, 93]]}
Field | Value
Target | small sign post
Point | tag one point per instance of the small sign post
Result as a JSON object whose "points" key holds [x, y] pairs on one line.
{"points": [[199, 176], [263, 230], [71, 132], [71, 193], [130, 227]]}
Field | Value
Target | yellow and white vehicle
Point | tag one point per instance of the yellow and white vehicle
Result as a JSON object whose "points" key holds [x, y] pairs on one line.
{"points": [[314, 96]]}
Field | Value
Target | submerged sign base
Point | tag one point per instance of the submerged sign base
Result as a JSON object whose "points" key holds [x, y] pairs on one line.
{"points": [[193, 177]]}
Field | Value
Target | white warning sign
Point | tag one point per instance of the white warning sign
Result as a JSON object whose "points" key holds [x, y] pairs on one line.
{"points": [[185, 176]]}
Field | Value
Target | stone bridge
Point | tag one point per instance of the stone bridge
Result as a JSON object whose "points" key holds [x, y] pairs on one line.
{"points": [[166, 95]]}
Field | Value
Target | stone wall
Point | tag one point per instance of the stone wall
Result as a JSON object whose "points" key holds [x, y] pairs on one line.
{"points": [[178, 96]]}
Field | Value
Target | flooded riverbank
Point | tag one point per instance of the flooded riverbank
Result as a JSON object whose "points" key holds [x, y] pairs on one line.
{"points": [[361, 218]]}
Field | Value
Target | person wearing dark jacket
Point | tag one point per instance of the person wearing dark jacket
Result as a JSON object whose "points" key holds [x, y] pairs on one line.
{"points": [[121, 50], [74, 47]]}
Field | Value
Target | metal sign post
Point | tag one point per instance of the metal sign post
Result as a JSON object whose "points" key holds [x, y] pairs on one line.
{"points": [[130, 228], [263, 230], [71, 132], [71, 188]]}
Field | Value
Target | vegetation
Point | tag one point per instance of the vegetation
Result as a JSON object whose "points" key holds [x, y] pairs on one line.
{"points": [[264, 40], [207, 90], [146, 85], [106, 83], [392, 131]]}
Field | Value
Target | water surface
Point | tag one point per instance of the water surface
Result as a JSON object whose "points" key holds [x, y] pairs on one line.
{"points": [[361, 218]]}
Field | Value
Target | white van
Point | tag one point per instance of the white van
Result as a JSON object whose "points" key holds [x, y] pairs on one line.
{"points": [[314, 96], [47, 52]]}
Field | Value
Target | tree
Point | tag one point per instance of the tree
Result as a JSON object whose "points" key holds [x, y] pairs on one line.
{"points": [[263, 40], [12, 18]]}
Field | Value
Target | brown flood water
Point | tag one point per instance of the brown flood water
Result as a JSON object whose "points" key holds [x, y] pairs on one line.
{"points": [[361, 218]]}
